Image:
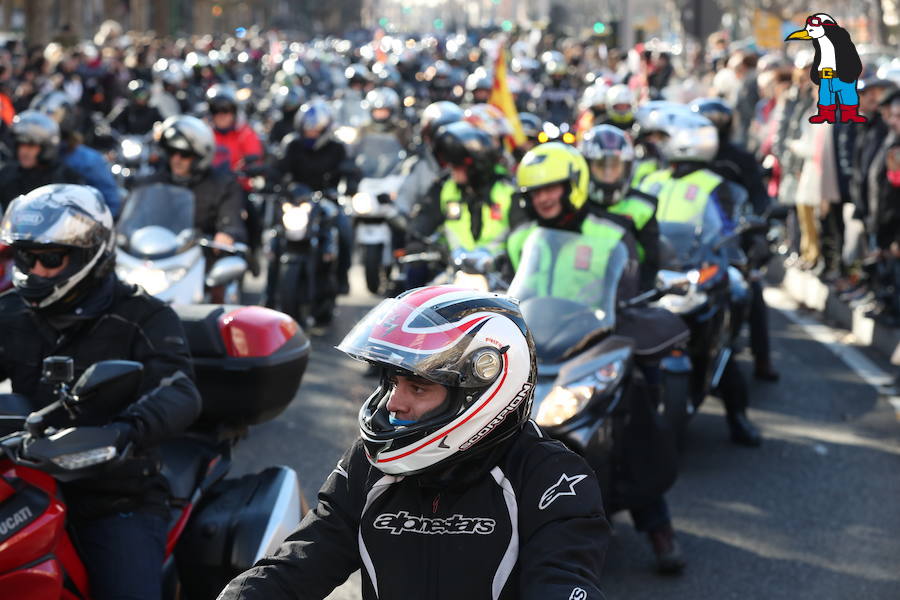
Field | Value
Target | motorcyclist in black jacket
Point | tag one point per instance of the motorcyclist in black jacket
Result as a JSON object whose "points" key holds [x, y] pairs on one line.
{"points": [[289, 99], [37, 142], [190, 146], [68, 301], [312, 157], [449, 475], [136, 117], [739, 166]]}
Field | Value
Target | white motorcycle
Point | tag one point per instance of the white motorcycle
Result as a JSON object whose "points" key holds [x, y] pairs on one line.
{"points": [[379, 158], [159, 249]]}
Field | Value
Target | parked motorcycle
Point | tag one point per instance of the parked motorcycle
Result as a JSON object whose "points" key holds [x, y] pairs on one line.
{"points": [[589, 392], [218, 527], [159, 249]]}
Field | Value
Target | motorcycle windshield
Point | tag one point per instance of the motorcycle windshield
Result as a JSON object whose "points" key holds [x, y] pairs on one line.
{"points": [[683, 245], [567, 284], [379, 155], [162, 205]]}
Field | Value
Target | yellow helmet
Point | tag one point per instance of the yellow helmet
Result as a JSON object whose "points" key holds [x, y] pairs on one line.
{"points": [[555, 162]]}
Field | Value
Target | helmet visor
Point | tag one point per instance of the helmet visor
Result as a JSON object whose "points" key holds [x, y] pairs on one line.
{"points": [[608, 169], [49, 223], [417, 340]]}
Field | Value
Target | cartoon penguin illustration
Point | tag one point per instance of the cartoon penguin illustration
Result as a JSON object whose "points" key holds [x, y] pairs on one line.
{"points": [[835, 69]]}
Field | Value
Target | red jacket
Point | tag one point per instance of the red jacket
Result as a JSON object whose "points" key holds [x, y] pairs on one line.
{"points": [[235, 146]]}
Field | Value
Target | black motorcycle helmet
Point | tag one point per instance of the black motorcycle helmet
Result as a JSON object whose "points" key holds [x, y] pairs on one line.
{"points": [[63, 221], [717, 111], [221, 98], [610, 157], [437, 115], [139, 91], [289, 99], [532, 126], [33, 127], [463, 144]]}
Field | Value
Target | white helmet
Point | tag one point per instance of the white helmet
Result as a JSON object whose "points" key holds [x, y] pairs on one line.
{"points": [[70, 220], [691, 138], [185, 133], [476, 344], [619, 96]]}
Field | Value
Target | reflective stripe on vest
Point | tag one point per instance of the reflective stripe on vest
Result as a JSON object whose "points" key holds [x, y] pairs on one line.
{"points": [[681, 200], [579, 265], [458, 220]]}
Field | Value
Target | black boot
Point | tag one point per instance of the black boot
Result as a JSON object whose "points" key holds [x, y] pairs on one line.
{"points": [[764, 371], [743, 432], [669, 560]]}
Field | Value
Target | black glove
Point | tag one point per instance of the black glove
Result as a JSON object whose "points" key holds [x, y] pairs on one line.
{"points": [[127, 434]]}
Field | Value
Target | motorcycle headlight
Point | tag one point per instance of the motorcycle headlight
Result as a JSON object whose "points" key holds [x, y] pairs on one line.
{"points": [[565, 401], [87, 458], [346, 135], [363, 203], [131, 149], [295, 218], [154, 281], [683, 304]]}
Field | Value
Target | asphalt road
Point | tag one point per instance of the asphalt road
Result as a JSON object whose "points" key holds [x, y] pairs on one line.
{"points": [[812, 514]]}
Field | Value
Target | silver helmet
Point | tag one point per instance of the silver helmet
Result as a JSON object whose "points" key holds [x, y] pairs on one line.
{"points": [[690, 138], [185, 133]]}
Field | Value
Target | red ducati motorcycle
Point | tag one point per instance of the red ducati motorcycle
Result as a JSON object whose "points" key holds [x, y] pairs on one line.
{"points": [[249, 362]]}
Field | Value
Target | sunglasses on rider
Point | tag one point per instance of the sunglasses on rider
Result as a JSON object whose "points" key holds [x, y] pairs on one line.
{"points": [[183, 153], [51, 259], [817, 22]]}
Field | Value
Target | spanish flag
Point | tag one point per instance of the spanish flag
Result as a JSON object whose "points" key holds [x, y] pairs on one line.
{"points": [[503, 99]]}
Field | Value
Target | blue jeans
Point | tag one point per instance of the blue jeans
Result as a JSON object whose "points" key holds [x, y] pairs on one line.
{"points": [[835, 91], [124, 555], [652, 516]]}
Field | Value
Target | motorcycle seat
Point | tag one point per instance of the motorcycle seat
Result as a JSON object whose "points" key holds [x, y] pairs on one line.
{"points": [[201, 328], [184, 462]]}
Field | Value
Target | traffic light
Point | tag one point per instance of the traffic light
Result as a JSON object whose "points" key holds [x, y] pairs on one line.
{"points": [[506, 25], [383, 21], [438, 23], [599, 27]]}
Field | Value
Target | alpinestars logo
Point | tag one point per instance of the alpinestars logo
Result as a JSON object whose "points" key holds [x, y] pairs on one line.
{"points": [[512, 406], [403, 522], [564, 487]]}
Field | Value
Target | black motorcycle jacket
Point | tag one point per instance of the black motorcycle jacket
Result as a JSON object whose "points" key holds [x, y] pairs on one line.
{"points": [[317, 168], [218, 200], [15, 181], [134, 119], [528, 524], [129, 325]]}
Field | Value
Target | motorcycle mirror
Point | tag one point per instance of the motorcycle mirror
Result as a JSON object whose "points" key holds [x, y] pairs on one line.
{"points": [[672, 282], [109, 384], [226, 270]]}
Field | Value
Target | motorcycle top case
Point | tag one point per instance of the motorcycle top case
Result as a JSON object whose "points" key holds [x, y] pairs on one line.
{"points": [[248, 361]]}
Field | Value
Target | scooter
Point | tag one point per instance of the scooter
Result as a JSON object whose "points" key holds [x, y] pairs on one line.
{"points": [[159, 249], [589, 392], [378, 160], [218, 527]]}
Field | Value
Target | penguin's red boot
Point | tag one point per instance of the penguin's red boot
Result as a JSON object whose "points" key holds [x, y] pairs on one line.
{"points": [[850, 114], [826, 114]]}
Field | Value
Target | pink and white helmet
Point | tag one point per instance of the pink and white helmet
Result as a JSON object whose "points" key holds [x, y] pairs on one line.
{"points": [[474, 343]]}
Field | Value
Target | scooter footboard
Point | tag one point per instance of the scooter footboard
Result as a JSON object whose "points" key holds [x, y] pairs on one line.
{"points": [[238, 522]]}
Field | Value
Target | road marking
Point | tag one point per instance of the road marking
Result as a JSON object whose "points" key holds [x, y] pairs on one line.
{"points": [[867, 370]]}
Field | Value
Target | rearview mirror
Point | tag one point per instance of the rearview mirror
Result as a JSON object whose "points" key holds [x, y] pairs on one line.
{"points": [[108, 385], [672, 282], [226, 270]]}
